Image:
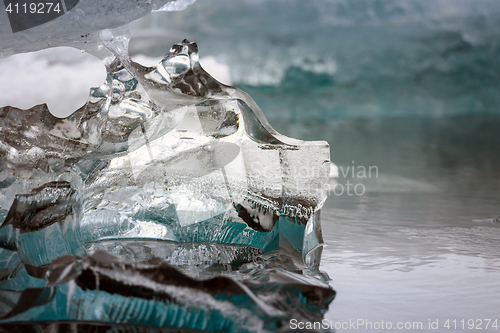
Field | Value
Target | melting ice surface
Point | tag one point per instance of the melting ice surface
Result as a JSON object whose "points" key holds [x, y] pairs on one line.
{"points": [[167, 200]]}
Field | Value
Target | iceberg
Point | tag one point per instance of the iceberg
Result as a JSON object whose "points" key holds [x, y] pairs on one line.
{"points": [[167, 200]]}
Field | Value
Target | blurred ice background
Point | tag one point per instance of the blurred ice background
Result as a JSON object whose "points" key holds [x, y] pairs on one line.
{"points": [[410, 87], [356, 58]]}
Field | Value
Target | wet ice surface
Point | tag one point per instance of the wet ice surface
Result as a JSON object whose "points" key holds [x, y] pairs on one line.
{"points": [[422, 243], [137, 165]]}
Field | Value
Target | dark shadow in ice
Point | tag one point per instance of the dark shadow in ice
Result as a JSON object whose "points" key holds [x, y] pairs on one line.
{"points": [[105, 288]]}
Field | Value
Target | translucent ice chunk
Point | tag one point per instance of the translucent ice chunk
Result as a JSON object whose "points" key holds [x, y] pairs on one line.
{"points": [[166, 152], [164, 162], [78, 24]]}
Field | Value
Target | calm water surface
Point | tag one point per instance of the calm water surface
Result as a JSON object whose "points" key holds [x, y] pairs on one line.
{"points": [[422, 243]]}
